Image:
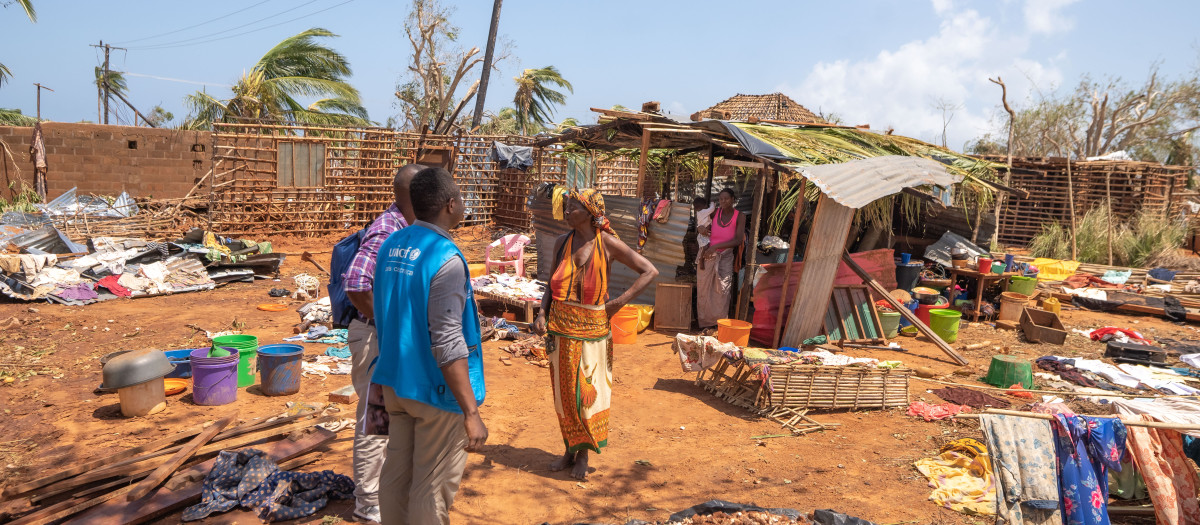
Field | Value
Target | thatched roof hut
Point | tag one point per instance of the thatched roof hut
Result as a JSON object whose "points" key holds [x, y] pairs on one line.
{"points": [[753, 108]]}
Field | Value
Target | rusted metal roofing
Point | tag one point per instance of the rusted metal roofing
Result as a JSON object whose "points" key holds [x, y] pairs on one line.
{"points": [[857, 183], [664, 248]]}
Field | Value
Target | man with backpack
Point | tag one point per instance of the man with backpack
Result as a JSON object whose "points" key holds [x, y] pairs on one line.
{"points": [[357, 280]]}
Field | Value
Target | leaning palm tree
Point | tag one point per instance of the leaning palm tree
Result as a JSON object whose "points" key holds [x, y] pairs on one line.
{"points": [[535, 99], [27, 6], [296, 67]]}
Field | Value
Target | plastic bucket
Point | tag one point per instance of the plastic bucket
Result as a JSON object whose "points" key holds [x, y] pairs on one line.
{"points": [[890, 322], [733, 331], [923, 310], [912, 307], [1022, 285], [625, 324], [985, 265], [182, 359], [477, 270], [1011, 306], [944, 323], [908, 275], [247, 346], [997, 267], [905, 258], [214, 379], [279, 369]]}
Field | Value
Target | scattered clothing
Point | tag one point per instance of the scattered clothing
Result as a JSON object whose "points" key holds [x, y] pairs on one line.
{"points": [[1117, 276], [249, 478], [827, 358], [961, 482], [1025, 469], [1166, 409], [931, 412], [279, 292], [112, 283], [78, 292], [967, 446], [1170, 478], [1162, 274], [699, 352], [340, 353], [971, 398], [1086, 448], [512, 157]]}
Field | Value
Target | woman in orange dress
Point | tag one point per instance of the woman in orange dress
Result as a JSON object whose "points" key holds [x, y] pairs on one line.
{"points": [[575, 313]]}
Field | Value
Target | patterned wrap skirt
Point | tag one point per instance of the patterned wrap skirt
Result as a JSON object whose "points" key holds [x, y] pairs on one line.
{"points": [[579, 347]]}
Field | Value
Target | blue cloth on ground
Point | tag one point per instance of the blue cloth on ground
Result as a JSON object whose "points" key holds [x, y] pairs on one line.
{"points": [[1162, 274], [249, 478], [341, 353]]}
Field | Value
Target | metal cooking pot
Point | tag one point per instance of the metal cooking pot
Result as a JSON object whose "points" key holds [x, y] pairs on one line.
{"points": [[135, 368]]}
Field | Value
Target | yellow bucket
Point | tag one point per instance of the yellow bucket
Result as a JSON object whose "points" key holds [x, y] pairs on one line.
{"points": [[477, 270], [645, 314]]}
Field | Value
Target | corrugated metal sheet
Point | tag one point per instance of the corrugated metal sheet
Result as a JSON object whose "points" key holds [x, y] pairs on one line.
{"points": [[664, 248], [46, 239], [859, 182]]}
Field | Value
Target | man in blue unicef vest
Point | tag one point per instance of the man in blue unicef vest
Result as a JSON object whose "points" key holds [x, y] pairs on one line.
{"points": [[430, 368]]}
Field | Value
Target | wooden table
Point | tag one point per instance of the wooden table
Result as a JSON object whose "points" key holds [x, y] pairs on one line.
{"points": [[981, 282], [528, 305]]}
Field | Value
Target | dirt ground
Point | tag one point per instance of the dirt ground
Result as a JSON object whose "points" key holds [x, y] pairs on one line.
{"points": [[672, 445]]}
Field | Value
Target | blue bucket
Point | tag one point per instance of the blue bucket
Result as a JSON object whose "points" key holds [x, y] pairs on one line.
{"points": [[279, 368], [182, 359]]}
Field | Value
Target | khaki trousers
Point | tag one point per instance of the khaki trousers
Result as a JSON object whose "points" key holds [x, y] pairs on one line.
{"points": [[369, 451], [426, 455]]}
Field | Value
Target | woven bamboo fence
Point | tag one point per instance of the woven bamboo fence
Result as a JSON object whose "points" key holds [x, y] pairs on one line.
{"points": [[807, 386]]}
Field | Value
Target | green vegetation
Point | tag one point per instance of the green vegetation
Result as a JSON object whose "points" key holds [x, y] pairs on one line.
{"points": [[535, 99], [1135, 243], [299, 66]]}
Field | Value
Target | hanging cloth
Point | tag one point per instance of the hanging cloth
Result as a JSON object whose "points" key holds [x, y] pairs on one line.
{"points": [[1086, 447]]}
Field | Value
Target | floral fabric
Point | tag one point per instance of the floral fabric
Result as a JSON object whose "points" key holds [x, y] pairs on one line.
{"points": [[1086, 448], [1025, 469], [1169, 476]]}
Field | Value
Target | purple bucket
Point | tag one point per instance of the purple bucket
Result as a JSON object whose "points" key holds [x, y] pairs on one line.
{"points": [[280, 369], [214, 379]]}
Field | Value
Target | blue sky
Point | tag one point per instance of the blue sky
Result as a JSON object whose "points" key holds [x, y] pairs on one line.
{"points": [[886, 63]]}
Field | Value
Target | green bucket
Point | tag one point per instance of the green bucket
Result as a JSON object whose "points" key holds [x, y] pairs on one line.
{"points": [[1023, 285], [247, 347], [944, 323], [890, 322]]}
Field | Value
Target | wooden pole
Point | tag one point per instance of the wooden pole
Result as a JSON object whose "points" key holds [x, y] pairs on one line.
{"points": [[1071, 204], [791, 255], [166, 469], [711, 160], [743, 306], [1050, 417], [1108, 203], [905, 312], [642, 163]]}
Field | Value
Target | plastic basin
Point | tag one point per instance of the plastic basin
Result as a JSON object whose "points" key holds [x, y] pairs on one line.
{"points": [[733, 331]]}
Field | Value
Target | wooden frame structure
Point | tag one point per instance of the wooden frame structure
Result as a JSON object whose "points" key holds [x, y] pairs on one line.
{"points": [[1129, 186], [351, 182]]}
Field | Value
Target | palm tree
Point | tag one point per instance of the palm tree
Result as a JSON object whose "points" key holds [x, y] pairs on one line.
{"points": [[299, 66], [27, 6], [535, 98]]}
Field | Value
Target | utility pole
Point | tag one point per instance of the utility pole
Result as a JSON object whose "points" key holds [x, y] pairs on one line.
{"points": [[104, 90], [39, 99], [487, 65]]}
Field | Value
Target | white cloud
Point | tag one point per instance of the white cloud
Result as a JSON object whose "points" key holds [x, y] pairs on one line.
{"points": [[1045, 16], [899, 88]]}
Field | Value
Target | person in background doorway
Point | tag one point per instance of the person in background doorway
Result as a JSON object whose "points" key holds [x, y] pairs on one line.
{"points": [[430, 370], [714, 279], [703, 210], [369, 450], [579, 345]]}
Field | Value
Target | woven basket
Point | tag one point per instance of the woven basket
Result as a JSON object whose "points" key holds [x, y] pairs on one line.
{"points": [[812, 386]]}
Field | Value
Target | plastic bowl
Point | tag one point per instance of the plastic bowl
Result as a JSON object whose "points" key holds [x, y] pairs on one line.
{"points": [[135, 368]]}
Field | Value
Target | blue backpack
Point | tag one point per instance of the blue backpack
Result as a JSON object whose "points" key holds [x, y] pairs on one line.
{"points": [[343, 255]]}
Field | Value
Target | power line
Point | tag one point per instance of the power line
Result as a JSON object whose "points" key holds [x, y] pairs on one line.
{"points": [[186, 41], [218, 84], [195, 25]]}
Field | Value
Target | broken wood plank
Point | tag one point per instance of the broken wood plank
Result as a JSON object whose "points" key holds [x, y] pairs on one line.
{"points": [[167, 499], [174, 462], [149, 464], [30, 486], [826, 241], [912, 318]]}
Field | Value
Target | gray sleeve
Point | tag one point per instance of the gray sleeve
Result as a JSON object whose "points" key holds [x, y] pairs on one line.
{"points": [[447, 299]]}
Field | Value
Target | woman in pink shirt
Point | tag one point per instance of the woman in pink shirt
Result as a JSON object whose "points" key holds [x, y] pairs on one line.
{"points": [[714, 279]]}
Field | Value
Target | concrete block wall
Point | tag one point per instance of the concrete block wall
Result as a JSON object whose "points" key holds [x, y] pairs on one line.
{"points": [[106, 160]]}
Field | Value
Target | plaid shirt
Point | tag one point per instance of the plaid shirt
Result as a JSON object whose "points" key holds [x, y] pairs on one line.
{"points": [[361, 274]]}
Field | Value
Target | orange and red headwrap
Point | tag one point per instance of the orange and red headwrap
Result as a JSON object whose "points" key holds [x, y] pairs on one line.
{"points": [[593, 202]]}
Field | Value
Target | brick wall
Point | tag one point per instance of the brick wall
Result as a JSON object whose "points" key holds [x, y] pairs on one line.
{"points": [[106, 160]]}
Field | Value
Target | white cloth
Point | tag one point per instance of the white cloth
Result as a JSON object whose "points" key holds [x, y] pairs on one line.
{"points": [[831, 359], [1192, 360], [1165, 409], [699, 352], [1090, 293], [704, 219], [55, 277], [1106, 371], [1159, 378]]}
